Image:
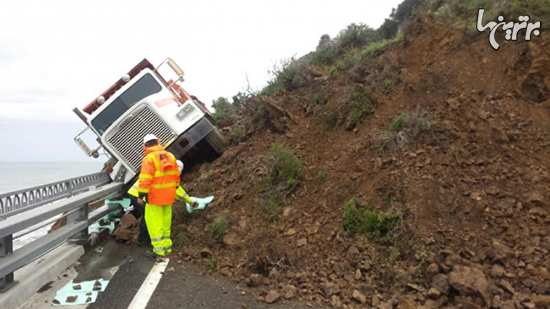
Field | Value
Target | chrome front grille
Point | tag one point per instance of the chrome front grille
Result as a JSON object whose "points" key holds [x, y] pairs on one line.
{"points": [[128, 141]]}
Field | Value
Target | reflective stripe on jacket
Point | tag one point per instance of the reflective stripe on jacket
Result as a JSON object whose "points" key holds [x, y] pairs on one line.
{"points": [[159, 177]]}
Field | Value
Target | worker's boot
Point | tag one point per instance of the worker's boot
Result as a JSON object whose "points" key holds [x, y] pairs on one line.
{"points": [[144, 243], [150, 254]]}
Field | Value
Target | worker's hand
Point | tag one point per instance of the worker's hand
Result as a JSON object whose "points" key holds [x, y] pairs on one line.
{"points": [[195, 204], [140, 202]]}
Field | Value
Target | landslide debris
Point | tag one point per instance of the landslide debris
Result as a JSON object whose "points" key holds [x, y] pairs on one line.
{"points": [[409, 173]]}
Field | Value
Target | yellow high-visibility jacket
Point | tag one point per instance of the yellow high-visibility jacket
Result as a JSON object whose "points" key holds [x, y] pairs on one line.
{"points": [[180, 193]]}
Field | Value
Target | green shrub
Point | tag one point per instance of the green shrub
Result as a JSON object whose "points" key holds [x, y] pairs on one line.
{"points": [[463, 13], [213, 263], [388, 29], [421, 257], [326, 52], [388, 83], [240, 98], [287, 167], [398, 123], [285, 171], [318, 100], [236, 134], [218, 227], [361, 104], [349, 59], [393, 254], [378, 227], [357, 35], [272, 211], [288, 75], [322, 177], [405, 9], [405, 129], [325, 56], [354, 56], [223, 109]]}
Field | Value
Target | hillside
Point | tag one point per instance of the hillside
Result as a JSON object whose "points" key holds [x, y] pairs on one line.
{"points": [[400, 173]]}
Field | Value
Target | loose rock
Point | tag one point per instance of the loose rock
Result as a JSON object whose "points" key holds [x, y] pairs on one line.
{"points": [[358, 296], [272, 296], [72, 299], [330, 289], [541, 301], [205, 253], [434, 293], [406, 303], [441, 283], [254, 280], [289, 291], [470, 281]]}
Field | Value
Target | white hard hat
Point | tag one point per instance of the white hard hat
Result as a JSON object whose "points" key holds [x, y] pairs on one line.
{"points": [[180, 165], [149, 137]]}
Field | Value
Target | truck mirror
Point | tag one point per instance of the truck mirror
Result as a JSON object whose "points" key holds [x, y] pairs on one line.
{"points": [[176, 68]]}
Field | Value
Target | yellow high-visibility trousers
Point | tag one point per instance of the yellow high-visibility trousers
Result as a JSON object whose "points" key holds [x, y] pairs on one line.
{"points": [[159, 224]]}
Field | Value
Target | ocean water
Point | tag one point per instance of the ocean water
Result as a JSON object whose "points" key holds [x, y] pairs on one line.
{"points": [[21, 175]]}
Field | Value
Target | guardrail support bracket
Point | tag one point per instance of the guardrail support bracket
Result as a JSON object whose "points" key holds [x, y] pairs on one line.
{"points": [[6, 247]]}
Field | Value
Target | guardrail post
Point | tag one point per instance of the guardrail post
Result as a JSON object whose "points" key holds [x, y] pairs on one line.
{"points": [[6, 247], [79, 216]]}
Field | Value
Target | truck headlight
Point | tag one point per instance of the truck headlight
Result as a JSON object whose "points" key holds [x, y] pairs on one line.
{"points": [[186, 110]]}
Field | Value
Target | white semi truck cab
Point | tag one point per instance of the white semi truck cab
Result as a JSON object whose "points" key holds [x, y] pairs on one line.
{"points": [[143, 102]]}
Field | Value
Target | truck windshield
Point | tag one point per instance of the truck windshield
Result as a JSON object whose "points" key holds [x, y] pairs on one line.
{"points": [[144, 87]]}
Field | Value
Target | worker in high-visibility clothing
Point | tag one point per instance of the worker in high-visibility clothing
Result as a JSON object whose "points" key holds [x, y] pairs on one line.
{"points": [[139, 206], [158, 181]]}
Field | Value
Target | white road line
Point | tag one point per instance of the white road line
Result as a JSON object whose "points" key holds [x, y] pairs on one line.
{"points": [[149, 285]]}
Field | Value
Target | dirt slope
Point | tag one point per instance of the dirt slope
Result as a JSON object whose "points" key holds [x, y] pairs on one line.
{"points": [[473, 190]]}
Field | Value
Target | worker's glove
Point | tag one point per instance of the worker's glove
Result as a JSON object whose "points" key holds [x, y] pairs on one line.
{"points": [[143, 196], [195, 204]]}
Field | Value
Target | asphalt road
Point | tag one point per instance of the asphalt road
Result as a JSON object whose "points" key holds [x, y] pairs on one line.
{"points": [[183, 284]]}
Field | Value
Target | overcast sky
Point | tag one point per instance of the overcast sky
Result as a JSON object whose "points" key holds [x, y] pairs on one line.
{"points": [[56, 55]]}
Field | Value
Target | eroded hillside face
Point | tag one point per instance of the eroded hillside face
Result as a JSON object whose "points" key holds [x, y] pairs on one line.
{"points": [[455, 140]]}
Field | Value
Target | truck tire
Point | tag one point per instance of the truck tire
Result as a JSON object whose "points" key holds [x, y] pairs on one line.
{"points": [[216, 141]]}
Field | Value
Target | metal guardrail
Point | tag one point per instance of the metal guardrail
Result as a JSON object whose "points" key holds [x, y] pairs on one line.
{"points": [[66, 202], [15, 202]]}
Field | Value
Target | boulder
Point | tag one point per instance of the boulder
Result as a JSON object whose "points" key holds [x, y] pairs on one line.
{"points": [[470, 281], [128, 221]]}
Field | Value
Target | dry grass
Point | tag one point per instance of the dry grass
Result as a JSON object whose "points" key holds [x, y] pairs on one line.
{"points": [[405, 129]]}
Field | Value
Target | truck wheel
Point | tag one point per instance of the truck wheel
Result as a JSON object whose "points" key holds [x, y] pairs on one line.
{"points": [[216, 141]]}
